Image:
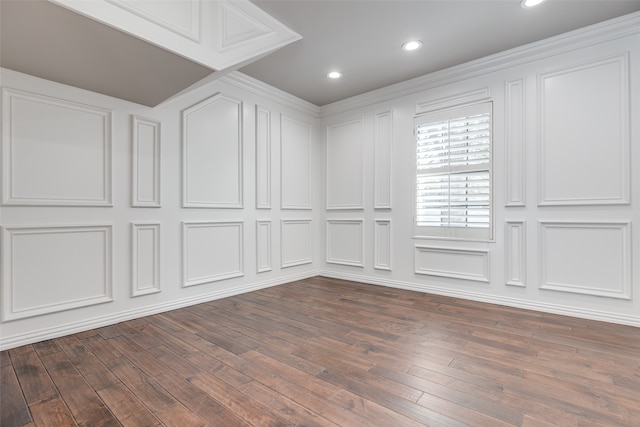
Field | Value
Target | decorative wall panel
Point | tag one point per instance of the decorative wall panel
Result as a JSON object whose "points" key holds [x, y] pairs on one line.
{"points": [[212, 154], [145, 258], [515, 144], [345, 242], [586, 258], [584, 134], [64, 160], [295, 164], [516, 253], [54, 268], [383, 160], [295, 242], [459, 98], [345, 165], [453, 263], [263, 158], [146, 172], [211, 251], [382, 244], [263, 245]]}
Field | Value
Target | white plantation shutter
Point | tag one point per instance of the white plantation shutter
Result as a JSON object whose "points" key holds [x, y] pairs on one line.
{"points": [[453, 173]]}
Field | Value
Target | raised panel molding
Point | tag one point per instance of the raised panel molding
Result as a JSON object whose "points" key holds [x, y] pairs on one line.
{"points": [[237, 26], [263, 245], [516, 253], [345, 242], [466, 264], [147, 163], [345, 165], [212, 154], [180, 17], [574, 120], [54, 268], [515, 144], [64, 161], [382, 187], [591, 258], [459, 98], [295, 242], [145, 258], [382, 239], [295, 164], [263, 158], [212, 251]]}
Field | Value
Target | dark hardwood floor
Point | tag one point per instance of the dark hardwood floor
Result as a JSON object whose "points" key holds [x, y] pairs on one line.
{"points": [[324, 352]]}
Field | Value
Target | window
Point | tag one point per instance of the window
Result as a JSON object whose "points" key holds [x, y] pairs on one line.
{"points": [[453, 173]]}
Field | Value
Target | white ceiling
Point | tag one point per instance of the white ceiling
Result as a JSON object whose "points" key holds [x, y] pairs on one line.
{"points": [[362, 39]]}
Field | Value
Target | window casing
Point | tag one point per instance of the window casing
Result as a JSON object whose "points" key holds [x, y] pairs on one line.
{"points": [[453, 197]]}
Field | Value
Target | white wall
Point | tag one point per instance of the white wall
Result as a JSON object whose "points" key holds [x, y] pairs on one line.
{"points": [[111, 210], [566, 164]]}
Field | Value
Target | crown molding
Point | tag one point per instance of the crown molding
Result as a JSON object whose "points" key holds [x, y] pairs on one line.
{"points": [[617, 28]]}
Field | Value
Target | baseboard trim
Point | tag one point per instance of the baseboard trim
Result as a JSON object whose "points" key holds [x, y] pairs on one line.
{"points": [[7, 343], [543, 307]]}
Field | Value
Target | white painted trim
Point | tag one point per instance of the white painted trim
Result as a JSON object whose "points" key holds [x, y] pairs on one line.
{"points": [[377, 225], [263, 164], [266, 266], [383, 150], [333, 260], [461, 98], [186, 281], [157, 176], [583, 313], [482, 253], [7, 246], [301, 261], [9, 198], [357, 205], [135, 286], [515, 143], [517, 254], [307, 206], [9, 342]]}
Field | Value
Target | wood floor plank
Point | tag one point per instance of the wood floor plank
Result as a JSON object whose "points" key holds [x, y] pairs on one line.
{"points": [[329, 352]]}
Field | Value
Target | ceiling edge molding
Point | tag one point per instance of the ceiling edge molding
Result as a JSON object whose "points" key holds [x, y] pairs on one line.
{"points": [[617, 28], [257, 87]]}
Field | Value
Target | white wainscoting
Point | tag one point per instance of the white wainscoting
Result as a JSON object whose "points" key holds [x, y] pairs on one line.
{"points": [[383, 161], [212, 251], [295, 242], [145, 258], [263, 158], [586, 132], [592, 258], [345, 242], [212, 154], [515, 143], [467, 264], [345, 165], [147, 162], [64, 160], [263, 245], [382, 238], [516, 253], [295, 164], [54, 268]]}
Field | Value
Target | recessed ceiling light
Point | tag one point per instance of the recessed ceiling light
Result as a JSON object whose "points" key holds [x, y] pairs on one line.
{"points": [[334, 75], [412, 45], [526, 4]]}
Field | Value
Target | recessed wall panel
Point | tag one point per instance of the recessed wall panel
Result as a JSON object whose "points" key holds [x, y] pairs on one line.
{"points": [[382, 244], [146, 162], [263, 245], [51, 269], [515, 250], [345, 165], [263, 158], [515, 147], [212, 154], [63, 160], [453, 263], [584, 134], [211, 251], [145, 258], [295, 242], [586, 258], [382, 167], [345, 242], [295, 164]]}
